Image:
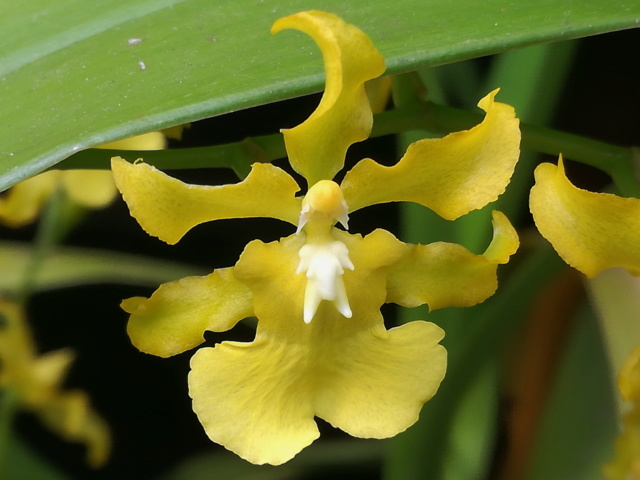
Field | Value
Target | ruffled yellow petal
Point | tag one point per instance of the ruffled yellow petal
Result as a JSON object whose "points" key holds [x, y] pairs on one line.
{"points": [[176, 316], [259, 399], [505, 240], [453, 175], [89, 188], [168, 208], [96, 188], [590, 231], [42, 376], [37, 381], [317, 147], [446, 275], [71, 417], [21, 204]]}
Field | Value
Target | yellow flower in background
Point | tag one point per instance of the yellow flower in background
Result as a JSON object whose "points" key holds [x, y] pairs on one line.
{"points": [[626, 464], [93, 189], [590, 231], [36, 380], [321, 347]]}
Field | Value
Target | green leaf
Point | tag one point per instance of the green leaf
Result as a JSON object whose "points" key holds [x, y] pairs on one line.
{"points": [[69, 266], [322, 460], [576, 436], [473, 430], [23, 462], [75, 74]]}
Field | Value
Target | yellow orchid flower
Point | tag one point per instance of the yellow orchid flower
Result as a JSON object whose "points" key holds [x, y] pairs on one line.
{"points": [[626, 464], [93, 189], [36, 380], [321, 348], [590, 231]]}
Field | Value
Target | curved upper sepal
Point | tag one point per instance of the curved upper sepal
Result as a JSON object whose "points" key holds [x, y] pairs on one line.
{"points": [[178, 313], [168, 208], [317, 147], [448, 275], [452, 175], [590, 231]]}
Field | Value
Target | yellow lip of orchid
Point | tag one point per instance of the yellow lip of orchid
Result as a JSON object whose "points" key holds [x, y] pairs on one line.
{"points": [[321, 347]]}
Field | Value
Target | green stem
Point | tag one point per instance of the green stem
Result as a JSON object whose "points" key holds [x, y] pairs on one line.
{"points": [[8, 408], [46, 238], [238, 156], [612, 159]]}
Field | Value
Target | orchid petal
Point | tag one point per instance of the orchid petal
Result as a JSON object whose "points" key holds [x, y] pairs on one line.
{"points": [[168, 208], [590, 231], [23, 202], [70, 416], [446, 274], [317, 147], [96, 188], [37, 380], [89, 188], [453, 175], [146, 141], [176, 316]]}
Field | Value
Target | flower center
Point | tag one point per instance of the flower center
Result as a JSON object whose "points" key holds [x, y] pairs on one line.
{"points": [[324, 204], [323, 258]]}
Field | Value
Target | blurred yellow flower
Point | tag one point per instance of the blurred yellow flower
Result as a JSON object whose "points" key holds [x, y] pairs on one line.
{"points": [[93, 189], [590, 231], [36, 380], [626, 464], [321, 347]]}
